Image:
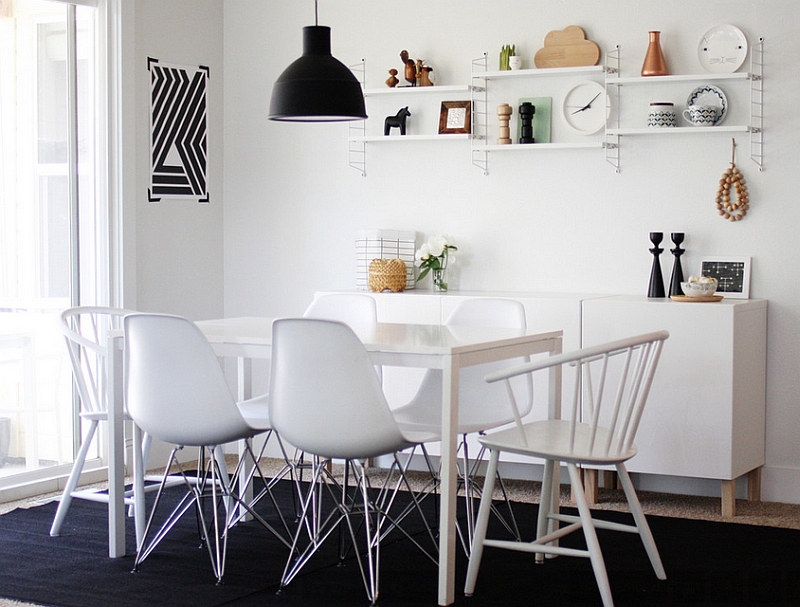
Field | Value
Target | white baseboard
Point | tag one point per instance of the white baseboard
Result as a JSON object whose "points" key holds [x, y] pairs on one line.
{"points": [[780, 484]]}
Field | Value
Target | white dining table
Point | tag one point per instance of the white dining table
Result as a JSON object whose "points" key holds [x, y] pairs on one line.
{"points": [[448, 348]]}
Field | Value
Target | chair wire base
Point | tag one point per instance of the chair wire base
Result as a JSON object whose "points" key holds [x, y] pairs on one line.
{"points": [[472, 490], [360, 510], [212, 486]]}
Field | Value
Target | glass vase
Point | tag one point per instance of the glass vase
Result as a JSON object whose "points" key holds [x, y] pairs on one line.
{"points": [[439, 279]]}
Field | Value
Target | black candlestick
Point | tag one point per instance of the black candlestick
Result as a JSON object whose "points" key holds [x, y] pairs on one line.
{"points": [[677, 270], [656, 280]]}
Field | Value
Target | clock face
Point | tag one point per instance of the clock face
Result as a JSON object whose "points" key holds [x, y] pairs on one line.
{"points": [[586, 107]]}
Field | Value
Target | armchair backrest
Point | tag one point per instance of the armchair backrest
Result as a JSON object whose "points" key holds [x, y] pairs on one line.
{"points": [[611, 385], [86, 330]]}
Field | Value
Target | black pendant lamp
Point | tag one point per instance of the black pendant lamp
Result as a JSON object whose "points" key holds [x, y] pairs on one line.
{"points": [[317, 87]]}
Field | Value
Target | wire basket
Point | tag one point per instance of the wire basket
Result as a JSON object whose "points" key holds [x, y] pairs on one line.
{"points": [[384, 244]]}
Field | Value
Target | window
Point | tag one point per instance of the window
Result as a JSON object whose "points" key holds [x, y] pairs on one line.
{"points": [[51, 226]]}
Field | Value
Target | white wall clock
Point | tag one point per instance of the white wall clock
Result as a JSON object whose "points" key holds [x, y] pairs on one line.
{"points": [[585, 108]]}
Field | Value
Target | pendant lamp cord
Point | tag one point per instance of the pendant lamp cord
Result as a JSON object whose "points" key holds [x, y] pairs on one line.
{"points": [[316, 12]]}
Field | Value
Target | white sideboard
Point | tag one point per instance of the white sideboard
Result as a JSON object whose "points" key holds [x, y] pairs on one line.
{"points": [[705, 417]]}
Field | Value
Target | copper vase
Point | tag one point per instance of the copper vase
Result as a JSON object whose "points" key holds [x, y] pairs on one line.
{"points": [[654, 63]]}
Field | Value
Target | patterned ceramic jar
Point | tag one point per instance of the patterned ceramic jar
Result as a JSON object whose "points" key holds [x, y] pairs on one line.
{"points": [[662, 114]]}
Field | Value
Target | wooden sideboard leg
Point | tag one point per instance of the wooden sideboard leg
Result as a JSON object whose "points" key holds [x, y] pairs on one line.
{"points": [[590, 485], [754, 485], [729, 498], [610, 480]]}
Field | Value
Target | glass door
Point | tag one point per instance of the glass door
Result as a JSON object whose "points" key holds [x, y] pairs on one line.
{"points": [[49, 227]]}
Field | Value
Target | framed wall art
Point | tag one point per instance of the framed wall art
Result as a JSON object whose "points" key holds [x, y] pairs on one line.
{"points": [[178, 132], [732, 274], [455, 117]]}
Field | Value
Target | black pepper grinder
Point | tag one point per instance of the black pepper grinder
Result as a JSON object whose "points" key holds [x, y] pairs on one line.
{"points": [[526, 112]]}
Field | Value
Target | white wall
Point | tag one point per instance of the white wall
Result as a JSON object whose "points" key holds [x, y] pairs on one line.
{"points": [[175, 257], [560, 221], [173, 253]]}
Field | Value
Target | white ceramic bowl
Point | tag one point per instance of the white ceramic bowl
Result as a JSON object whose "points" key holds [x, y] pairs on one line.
{"points": [[699, 289]]}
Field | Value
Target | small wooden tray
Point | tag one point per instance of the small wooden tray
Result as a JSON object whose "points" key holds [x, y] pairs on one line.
{"points": [[697, 299]]}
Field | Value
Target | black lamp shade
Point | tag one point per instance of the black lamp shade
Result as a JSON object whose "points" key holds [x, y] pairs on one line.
{"points": [[317, 87]]}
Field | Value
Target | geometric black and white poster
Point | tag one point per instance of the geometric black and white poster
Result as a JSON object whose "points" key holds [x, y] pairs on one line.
{"points": [[178, 132]]}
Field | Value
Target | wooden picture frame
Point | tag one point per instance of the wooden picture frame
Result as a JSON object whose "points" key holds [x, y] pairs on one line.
{"points": [[455, 117], [732, 274]]}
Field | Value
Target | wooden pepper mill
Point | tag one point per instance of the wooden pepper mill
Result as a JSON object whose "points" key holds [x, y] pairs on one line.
{"points": [[504, 115]]}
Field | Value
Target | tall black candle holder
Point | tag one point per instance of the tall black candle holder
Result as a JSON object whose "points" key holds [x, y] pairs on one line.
{"points": [[677, 270], [656, 279]]}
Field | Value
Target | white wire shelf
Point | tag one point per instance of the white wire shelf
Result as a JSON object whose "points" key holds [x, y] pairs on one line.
{"points": [[409, 138]]}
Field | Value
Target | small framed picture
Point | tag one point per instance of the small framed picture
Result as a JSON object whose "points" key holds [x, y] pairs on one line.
{"points": [[455, 117], [732, 274]]}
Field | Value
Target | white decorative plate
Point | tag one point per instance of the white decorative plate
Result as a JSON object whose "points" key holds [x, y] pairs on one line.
{"points": [[722, 49], [710, 95]]}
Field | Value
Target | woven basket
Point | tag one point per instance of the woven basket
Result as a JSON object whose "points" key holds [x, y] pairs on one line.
{"points": [[387, 275]]}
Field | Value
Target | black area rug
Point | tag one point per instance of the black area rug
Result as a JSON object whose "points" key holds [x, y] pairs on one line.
{"points": [[707, 564]]}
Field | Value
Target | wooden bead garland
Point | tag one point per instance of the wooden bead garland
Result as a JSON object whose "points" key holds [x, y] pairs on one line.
{"points": [[732, 210]]}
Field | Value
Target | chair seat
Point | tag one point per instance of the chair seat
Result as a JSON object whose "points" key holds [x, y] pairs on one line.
{"points": [[552, 440], [420, 416], [255, 412], [416, 435]]}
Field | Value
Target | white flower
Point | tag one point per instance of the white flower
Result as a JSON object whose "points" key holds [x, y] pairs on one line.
{"points": [[433, 255], [440, 243], [437, 245], [423, 253]]}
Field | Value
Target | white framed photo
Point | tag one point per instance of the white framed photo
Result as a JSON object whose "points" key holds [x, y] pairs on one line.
{"points": [[732, 274]]}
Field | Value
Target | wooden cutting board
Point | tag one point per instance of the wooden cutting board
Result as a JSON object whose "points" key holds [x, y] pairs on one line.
{"points": [[696, 299], [567, 48]]}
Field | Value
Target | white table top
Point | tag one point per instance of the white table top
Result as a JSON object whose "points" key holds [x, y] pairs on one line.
{"points": [[383, 337]]}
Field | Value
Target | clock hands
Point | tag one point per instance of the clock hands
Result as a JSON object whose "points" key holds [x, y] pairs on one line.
{"points": [[587, 106]]}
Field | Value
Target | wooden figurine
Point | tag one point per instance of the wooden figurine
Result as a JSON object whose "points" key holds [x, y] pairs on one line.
{"points": [[392, 80], [425, 76], [504, 114], [398, 120], [410, 73]]}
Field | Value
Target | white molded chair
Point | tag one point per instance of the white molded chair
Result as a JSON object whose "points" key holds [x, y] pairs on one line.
{"points": [[176, 392], [349, 308], [481, 406], [611, 382], [85, 329], [326, 400], [353, 309]]}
